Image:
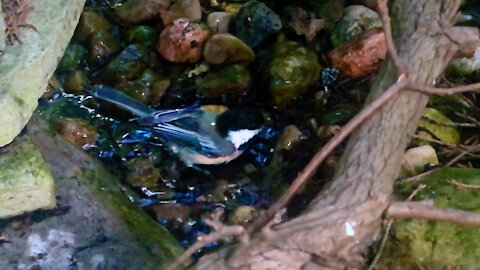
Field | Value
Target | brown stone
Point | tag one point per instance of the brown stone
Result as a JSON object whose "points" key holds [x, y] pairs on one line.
{"points": [[360, 55], [183, 41], [78, 132]]}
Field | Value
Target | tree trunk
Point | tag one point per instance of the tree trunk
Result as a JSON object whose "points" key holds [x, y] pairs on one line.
{"points": [[346, 217]]}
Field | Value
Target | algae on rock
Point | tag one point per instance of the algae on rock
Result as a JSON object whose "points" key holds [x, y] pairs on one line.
{"points": [[436, 245], [26, 183], [101, 227], [289, 71]]}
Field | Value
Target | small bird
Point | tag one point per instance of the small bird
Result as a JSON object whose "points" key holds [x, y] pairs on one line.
{"points": [[209, 134]]}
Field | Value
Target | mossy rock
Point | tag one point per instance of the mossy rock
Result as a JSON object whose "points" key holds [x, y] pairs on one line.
{"points": [[436, 125], [436, 245], [26, 183], [99, 226], [289, 71], [36, 59]]}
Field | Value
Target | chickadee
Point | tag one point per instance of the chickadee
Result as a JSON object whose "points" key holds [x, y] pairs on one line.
{"points": [[209, 134]]}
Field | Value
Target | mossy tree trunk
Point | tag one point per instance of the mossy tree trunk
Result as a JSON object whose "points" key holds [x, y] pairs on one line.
{"points": [[345, 218]]}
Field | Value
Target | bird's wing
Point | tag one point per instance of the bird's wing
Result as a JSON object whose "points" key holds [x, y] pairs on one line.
{"points": [[123, 100], [203, 142], [166, 116]]}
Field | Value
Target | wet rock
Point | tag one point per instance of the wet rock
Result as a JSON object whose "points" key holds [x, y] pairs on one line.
{"points": [[183, 42], [102, 45], [158, 89], [127, 65], [357, 19], [143, 173], [189, 9], [360, 55], [227, 80], [255, 23], [26, 183], [90, 23], [76, 82], [175, 214], [145, 35], [78, 132], [74, 55], [435, 125], [148, 77], [96, 226], [415, 159], [340, 114], [242, 215], [219, 21], [289, 71], [226, 49], [138, 11], [137, 89], [291, 135], [219, 194]]}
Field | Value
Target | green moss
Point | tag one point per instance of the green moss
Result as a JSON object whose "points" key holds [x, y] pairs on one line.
{"points": [[26, 183], [153, 236], [436, 245]]}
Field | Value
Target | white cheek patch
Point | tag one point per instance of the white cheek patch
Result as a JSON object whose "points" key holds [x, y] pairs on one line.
{"points": [[240, 137]]}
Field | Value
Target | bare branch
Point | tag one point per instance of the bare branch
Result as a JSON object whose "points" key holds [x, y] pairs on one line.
{"points": [[416, 210], [392, 51], [445, 91], [323, 153], [222, 232], [463, 185]]}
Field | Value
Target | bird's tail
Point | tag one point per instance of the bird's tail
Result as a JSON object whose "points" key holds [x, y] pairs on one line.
{"points": [[122, 100]]}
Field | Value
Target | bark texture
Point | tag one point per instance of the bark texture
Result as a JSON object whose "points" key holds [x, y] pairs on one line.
{"points": [[346, 217]]}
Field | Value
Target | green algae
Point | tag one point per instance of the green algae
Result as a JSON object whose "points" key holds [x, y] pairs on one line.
{"points": [[435, 124], [436, 245]]}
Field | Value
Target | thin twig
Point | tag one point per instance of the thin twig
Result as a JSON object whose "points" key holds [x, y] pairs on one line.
{"points": [[445, 91], [454, 124], [417, 210], [392, 51], [463, 185], [467, 151], [418, 177], [323, 153], [468, 117], [423, 138], [221, 232]]}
